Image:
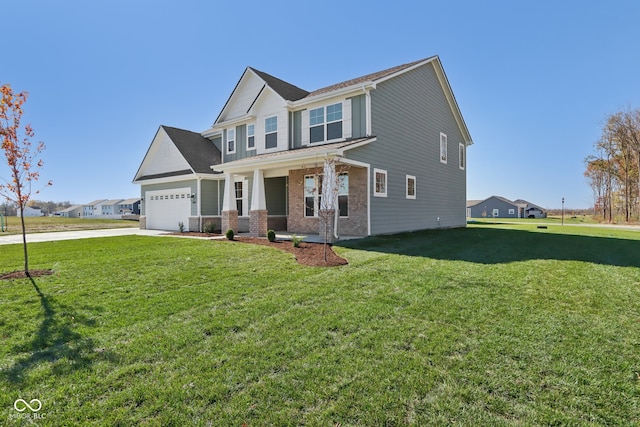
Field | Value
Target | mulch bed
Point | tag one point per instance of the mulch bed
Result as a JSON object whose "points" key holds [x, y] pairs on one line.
{"points": [[311, 254], [20, 274]]}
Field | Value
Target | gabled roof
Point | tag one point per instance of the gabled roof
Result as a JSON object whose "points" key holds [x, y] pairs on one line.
{"points": [[130, 201], [95, 202], [111, 202], [198, 152], [369, 77], [292, 93], [286, 90]]}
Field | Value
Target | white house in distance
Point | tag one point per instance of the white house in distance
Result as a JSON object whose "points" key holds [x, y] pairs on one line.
{"points": [[74, 211], [31, 211], [92, 208], [109, 208]]}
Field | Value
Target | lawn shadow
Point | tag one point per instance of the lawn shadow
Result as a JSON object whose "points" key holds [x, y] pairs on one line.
{"points": [[56, 341], [495, 246]]}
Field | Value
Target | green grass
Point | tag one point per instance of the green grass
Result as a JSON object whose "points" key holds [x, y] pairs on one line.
{"points": [[568, 220], [44, 224], [505, 325]]}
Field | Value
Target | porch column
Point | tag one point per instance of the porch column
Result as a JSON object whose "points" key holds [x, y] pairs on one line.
{"points": [[229, 212], [258, 211]]}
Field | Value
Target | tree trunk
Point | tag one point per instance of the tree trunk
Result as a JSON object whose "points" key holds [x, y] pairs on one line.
{"points": [[24, 244]]}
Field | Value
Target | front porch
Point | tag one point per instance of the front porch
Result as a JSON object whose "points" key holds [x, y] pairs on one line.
{"points": [[289, 202]]}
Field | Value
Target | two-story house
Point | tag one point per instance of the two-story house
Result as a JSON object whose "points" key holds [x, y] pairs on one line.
{"points": [[395, 141]]}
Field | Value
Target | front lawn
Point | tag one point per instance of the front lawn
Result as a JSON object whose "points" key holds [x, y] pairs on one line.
{"points": [[46, 224], [491, 325]]}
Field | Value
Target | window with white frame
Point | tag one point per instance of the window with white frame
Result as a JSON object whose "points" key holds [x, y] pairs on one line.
{"points": [[380, 183], [343, 194], [239, 197], [462, 156], [312, 194], [411, 187], [496, 212], [512, 211], [251, 137], [271, 132], [325, 123], [231, 141], [443, 148]]}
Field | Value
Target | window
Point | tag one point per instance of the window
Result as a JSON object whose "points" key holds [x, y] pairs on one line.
{"points": [[271, 132], [239, 197], [312, 194], [443, 148], [411, 187], [251, 137], [512, 211], [343, 194], [231, 141], [331, 127], [380, 183], [496, 212], [461, 156]]}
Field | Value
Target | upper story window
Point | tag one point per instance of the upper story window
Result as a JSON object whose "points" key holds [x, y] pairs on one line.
{"points": [[325, 123], [271, 132], [231, 141], [251, 137], [443, 148], [462, 156]]}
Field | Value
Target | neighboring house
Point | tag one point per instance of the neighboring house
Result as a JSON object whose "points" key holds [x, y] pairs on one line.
{"points": [[92, 209], [74, 211], [31, 211], [129, 207], [501, 207], [109, 209], [395, 139]]}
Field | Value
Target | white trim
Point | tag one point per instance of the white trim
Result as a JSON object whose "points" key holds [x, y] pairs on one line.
{"points": [[386, 182], [410, 177], [342, 92], [267, 150], [247, 137], [325, 124], [462, 156], [443, 142], [227, 139]]}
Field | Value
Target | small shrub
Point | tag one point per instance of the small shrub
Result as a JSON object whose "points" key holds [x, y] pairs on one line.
{"points": [[229, 234], [271, 236], [181, 227], [296, 240], [209, 227]]}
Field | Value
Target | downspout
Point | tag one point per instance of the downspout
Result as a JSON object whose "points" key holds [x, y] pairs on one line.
{"points": [[336, 214], [199, 202]]}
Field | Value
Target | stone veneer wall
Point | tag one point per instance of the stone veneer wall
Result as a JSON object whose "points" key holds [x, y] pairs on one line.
{"points": [[354, 225]]}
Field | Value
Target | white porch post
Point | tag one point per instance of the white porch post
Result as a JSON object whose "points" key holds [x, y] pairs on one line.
{"points": [[258, 212], [229, 212], [258, 199]]}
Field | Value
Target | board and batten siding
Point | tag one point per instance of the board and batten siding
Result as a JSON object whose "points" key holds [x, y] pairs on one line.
{"points": [[210, 196], [408, 114], [192, 184]]}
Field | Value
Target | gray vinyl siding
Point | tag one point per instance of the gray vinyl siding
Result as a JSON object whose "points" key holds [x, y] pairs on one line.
{"points": [[169, 186], [489, 205], [358, 116], [241, 145], [295, 136], [210, 197], [276, 194], [408, 114], [218, 143]]}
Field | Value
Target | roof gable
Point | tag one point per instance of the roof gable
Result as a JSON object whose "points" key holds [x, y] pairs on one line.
{"points": [[175, 152]]}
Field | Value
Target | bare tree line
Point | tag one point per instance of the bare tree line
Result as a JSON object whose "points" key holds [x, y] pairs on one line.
{"points": [[613, 171]]}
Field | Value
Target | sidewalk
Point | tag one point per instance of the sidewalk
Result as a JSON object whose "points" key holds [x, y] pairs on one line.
{"points": [[80, 234]]}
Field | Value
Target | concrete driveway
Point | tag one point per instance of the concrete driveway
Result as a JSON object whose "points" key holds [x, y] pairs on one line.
{"points": [[80, 234]]}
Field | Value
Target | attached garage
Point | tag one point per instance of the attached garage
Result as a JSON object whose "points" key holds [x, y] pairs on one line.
{"points": [[166, 209]]}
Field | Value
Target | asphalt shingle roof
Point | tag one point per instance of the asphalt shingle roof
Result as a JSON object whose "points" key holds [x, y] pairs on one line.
{"points": [[197, 150]]}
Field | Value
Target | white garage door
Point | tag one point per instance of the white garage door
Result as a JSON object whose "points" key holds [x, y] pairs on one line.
{"points": [[165, 209]]}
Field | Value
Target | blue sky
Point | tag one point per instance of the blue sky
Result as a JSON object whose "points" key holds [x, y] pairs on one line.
{"points": [[534, 80]]}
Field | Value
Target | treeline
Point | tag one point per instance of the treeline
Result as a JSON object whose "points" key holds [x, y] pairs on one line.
{"points": [[613, 171], [10, 209]]}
